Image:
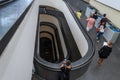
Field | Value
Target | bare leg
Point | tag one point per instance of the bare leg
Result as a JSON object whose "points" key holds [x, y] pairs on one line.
{"points": [[100, 61]]}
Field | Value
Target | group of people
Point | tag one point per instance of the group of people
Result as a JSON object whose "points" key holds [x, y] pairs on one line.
{"points": [[91, 21], [101, 25], [104, 51]]}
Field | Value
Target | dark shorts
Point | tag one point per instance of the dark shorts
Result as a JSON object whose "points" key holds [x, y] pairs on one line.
{"points": [[103, 56]]}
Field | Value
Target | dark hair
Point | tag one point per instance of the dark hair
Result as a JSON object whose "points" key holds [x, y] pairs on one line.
{"points": [[68, 62], [104, 15], [95, 12], [80, 10], [95, 15], [110, 43]]}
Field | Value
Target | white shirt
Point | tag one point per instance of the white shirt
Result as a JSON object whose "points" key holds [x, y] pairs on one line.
{"points": [[102, 28]]}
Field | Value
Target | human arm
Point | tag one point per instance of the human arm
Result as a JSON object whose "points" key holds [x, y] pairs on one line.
{"points": [[87, 19]]}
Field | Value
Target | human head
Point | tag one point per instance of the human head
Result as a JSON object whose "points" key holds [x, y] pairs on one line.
{"points": [[95, 12], [109, 43], [80, 10], [68, 62], [104, 15]]}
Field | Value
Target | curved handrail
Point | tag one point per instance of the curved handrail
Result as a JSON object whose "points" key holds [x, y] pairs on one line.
{"points": [[83, 62], [87, 58]]}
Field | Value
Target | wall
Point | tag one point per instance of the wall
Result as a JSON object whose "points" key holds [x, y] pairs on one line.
{"points": [[16, 60], [112, 14], [51, 19], [77, 34]]}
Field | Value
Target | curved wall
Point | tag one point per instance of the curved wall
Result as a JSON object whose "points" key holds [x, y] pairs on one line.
{"points": [[44, 30], [51, 19], [76, 32], [48, 29], [79, 34]]}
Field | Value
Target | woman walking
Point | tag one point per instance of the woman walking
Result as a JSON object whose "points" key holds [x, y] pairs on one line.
{"points": [[104, 52], [101, 31]]}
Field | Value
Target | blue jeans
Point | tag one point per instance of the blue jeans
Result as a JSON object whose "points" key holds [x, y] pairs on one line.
{"points": [[99, 35], [64, 76]]}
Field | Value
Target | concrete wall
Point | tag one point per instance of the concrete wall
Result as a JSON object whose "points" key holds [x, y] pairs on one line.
{"points": [[51, 19], [112, 14]]}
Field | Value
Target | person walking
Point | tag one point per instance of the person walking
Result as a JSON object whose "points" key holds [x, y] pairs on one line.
{"points": [[90, 23], [65, 70], [79, 13], [95, 15], [101, 31], [104, 52], [104, 19]]}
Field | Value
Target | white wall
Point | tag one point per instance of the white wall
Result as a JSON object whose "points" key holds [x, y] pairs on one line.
{"points": [[112, 14], [112, 3]]}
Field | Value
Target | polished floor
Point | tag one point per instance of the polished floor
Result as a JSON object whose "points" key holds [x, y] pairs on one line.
{"points": [[109, 70]]}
